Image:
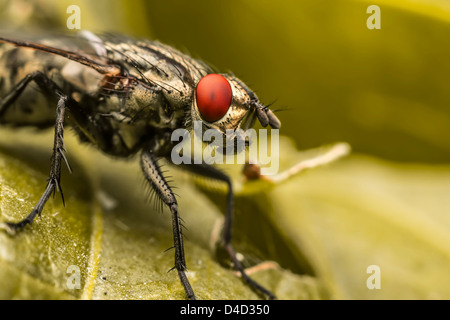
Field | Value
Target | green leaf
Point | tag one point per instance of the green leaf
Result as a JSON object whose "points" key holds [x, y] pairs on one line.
{"points": [[111, 233], [336, 221], [329, 224]]}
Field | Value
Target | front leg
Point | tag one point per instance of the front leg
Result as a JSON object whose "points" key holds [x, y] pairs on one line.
{"points": [[212, 172], [159, 184]]}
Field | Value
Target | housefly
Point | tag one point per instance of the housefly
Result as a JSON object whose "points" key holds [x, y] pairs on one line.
{"points": [[125, 97]]}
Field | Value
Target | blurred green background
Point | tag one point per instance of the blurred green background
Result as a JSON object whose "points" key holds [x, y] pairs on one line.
{"points": [[385, 92]]}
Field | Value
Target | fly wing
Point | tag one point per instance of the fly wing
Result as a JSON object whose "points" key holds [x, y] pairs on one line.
{"points": [[92, 57], [79, 62]]}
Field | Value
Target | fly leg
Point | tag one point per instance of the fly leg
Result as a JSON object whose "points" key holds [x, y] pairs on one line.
{"points": [[55, 171], [36, 76], [156, 179], [58, 145], [211, 172]]}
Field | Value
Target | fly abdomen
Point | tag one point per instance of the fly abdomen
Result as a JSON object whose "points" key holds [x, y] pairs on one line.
{"points": [[124, 89]]}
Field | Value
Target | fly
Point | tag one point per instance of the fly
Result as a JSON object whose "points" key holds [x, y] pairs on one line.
{"points": [[125, 97]]}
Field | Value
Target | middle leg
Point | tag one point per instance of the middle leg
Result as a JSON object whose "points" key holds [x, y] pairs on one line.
{"points": [[157, 181]]}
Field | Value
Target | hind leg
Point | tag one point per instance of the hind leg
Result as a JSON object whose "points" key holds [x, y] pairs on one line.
{"points": [[58, 145]]}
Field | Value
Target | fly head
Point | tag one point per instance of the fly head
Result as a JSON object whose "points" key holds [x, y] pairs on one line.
{"points": [[223, 102]]}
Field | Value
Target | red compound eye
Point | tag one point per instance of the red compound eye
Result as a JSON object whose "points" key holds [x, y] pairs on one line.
{"points": [[213, 97]]}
